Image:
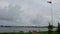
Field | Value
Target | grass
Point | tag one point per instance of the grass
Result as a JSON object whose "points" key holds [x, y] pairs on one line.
{"points": [[45, 32]]}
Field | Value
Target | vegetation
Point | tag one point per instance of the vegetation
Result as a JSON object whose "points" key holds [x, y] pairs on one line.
{"points": [[58, 30], [44, 32], [50, 28]]}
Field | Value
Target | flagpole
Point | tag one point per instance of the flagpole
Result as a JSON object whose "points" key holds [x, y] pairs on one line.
{"points": [[52, 13], [51, 8]]}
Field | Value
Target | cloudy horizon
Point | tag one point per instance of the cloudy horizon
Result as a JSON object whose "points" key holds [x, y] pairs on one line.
{"points": [[28, 12]]}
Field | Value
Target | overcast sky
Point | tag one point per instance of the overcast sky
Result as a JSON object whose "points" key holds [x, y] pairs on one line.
{"points": [[28, 12]]}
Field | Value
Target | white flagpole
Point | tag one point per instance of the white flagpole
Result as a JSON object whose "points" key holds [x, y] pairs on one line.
{"points": [[51, 8]]}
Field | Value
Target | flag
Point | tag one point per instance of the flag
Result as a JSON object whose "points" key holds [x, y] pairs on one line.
{"points": [[49, 1]]}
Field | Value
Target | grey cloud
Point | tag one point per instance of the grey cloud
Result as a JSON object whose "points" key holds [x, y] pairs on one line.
{"points": [[29, 12]]}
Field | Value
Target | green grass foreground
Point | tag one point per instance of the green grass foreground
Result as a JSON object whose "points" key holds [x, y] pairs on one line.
{"points": [[29, 33]]}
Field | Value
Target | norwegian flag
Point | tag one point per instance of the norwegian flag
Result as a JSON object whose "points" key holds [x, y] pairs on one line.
{"points": [[49, 1]]}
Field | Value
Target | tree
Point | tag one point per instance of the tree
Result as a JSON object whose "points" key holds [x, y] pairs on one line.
{"points": [[50, 27], [58, 30]]}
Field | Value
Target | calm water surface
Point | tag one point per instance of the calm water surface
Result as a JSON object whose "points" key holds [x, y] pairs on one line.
{"points": [[17, 29]]}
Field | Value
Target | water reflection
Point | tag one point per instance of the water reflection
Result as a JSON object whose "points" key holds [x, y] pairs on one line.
{"points": [[18, 29]]}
